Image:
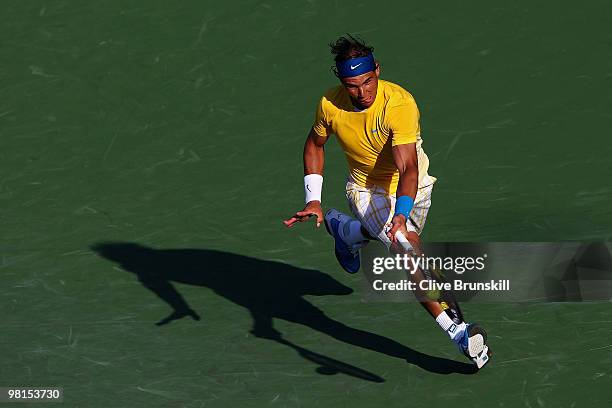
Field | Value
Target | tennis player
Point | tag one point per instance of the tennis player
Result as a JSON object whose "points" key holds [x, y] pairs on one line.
{"points": [[388, 189]]}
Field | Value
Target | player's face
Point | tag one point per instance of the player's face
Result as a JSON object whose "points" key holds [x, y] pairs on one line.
{"points": [[362, 89]]}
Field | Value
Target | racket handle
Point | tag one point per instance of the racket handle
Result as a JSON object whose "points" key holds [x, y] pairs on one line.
{"points": [[403, 241]]}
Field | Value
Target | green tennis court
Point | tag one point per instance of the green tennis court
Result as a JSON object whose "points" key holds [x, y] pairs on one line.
{"points": [[150, 150]]}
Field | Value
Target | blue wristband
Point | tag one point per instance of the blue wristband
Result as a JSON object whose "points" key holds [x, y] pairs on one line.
{"points": [[403, 206]]}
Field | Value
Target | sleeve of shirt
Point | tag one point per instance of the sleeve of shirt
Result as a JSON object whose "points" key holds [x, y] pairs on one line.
{"points": [[322, 126], [403, 121]]}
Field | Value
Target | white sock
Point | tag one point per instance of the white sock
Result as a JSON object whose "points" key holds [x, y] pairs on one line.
{"points": [[450, 327], [351, 232]]}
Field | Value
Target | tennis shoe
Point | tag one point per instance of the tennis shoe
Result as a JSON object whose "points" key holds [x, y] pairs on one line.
{"points": [[347, 255], [472, 343]]}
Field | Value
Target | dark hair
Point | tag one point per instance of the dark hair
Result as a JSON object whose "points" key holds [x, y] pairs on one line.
{"points": [[345, 48]]}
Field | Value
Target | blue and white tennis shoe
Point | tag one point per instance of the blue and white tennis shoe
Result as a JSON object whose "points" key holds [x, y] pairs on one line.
{"points": [[472, 343], [346, 254]]}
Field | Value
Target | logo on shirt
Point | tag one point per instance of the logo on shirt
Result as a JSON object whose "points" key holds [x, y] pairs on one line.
{"points": [[374, 130]]}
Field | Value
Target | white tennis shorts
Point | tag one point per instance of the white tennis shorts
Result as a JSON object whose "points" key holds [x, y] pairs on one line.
{"points": [[374, 208]]}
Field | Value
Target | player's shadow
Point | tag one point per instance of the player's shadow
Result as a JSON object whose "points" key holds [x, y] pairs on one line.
{"points": [[268, 290]]}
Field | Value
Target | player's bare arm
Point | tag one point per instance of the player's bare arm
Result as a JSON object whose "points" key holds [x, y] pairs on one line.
{"points": [[405, 157], [314, 159]]}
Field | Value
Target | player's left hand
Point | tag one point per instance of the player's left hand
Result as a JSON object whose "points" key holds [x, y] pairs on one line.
{"points": [[398, 223], [312, 209]]}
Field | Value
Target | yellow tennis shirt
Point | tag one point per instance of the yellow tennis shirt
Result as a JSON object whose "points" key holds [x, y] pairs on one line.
{"points": [[367, 136]]}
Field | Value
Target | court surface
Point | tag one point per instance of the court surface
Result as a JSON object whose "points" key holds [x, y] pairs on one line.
{"points": [[149, 151]]}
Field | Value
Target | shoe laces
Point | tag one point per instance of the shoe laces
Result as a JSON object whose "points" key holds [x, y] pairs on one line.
{"points": [[354, 248]]}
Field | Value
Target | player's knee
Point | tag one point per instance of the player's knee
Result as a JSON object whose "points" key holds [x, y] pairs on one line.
{"points": [[413, 238], [367, 234]]}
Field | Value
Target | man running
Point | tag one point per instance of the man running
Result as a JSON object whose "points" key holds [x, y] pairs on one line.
{"points": [[388, 188]]}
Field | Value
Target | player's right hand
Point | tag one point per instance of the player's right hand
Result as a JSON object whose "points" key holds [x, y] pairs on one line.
{"points": [[313, 208], [398, 223]]}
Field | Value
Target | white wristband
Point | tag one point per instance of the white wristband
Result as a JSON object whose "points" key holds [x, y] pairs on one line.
{"points": [[313, 184]]}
